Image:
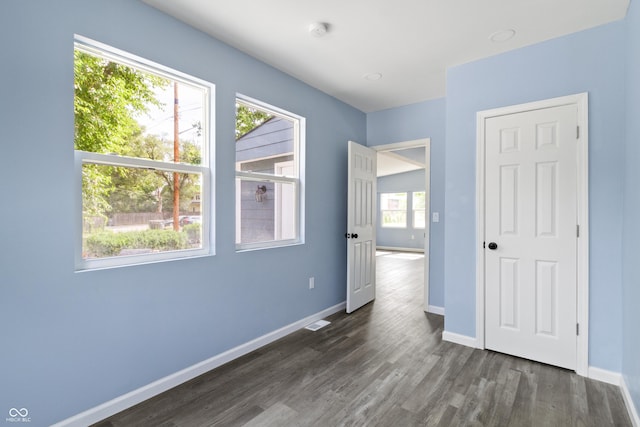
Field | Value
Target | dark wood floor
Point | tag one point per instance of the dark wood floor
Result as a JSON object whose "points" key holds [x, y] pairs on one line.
{"points": [[384, 365]]}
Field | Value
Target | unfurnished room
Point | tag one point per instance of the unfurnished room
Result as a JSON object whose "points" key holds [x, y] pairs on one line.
{"points": [[297, 213]]}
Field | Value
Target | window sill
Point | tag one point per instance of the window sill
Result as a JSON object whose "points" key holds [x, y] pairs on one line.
{"points": [[259, 247], [132, 261]]}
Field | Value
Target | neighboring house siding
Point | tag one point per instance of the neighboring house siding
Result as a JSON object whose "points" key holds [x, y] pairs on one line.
{"points": [[256, 151], [273, 137]]}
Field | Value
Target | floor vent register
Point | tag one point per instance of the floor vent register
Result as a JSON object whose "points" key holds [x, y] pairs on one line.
{"points": [[317, 325]]}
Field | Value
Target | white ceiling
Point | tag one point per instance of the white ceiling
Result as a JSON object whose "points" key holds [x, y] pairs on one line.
{"points": [[410, 42], [401, 160], [388, 164]]}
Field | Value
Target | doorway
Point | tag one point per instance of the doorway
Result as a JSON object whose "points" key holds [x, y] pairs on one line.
{"points": [[402, 157]]}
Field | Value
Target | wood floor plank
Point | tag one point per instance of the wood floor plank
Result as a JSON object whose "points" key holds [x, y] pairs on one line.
{"points": [[504, 396], [275, 416], [383, 365], [580, 405]]}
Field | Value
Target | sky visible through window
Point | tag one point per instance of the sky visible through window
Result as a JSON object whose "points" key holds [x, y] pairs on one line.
{"points": [[158, 121]]}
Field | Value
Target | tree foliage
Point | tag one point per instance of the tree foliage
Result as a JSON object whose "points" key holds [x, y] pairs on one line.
{"points": [[249, 118], [141, 190], [107, 99]]}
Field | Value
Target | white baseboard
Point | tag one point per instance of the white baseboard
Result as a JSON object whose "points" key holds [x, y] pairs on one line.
{"points": [[435, 310], [398, 248], [631, 408], [459, 339], [618, 380], [605, 376], [134, 397]]}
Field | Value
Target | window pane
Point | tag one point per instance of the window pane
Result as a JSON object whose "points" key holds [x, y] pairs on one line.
{"points": [[263, 139], [393, 201], [393, 209], [129, 211], [394, 219], [249, 117], [418, 201], [266, 211], [418, 219], [123, 110], [268, 144]]}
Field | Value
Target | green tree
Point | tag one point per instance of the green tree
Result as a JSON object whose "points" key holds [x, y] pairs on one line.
{"points": [[108, 98], [249, 118], [141, 190], [136, 190], [188, 184]]}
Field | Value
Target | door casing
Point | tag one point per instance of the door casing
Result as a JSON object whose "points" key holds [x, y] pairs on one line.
{"points": [[582, 197]]}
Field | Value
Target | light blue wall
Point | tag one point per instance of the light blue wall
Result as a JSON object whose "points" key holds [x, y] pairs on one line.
{"points": [[631, 227], [70, 341], [416, 121], [401, 237], [590, 61]]}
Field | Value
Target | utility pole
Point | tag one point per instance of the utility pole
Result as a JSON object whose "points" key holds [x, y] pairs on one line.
{"points": [[176, 159]]}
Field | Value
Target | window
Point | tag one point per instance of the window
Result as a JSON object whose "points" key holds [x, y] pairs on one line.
{"points": [[142, 157], [269, 143], [393, 209], [418, 205]]}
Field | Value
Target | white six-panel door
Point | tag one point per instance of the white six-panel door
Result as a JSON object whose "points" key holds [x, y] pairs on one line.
{"points": [[531, 217], [361, 226]]}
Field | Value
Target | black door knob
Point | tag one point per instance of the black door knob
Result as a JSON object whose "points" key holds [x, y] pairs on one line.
{"points": [[493, 246], [355, 236]]}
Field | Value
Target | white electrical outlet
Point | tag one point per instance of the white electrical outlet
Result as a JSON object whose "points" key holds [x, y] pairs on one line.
{"points": [[312, 282], [435, 217]]}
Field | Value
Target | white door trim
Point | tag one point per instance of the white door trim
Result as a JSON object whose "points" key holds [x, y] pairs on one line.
{"points": [[426, 143], [581, 101]]}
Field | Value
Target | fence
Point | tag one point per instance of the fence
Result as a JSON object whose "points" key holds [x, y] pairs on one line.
{"points": [[134, 218]]}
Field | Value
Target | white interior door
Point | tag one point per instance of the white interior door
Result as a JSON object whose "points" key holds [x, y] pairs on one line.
{"points": [[531, 234], [361, 226]]}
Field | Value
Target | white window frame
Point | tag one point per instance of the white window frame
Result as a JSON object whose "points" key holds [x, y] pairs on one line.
{"points": [[204, 169], [279, 208], [299, 132]]}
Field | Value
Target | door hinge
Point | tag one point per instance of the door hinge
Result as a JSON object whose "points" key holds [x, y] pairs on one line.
{"points": [[577, 328], [577, 132], [577, 230]]}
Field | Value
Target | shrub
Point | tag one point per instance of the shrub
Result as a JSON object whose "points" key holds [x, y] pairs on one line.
{"points": [[193, 232], [107, 243]]}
